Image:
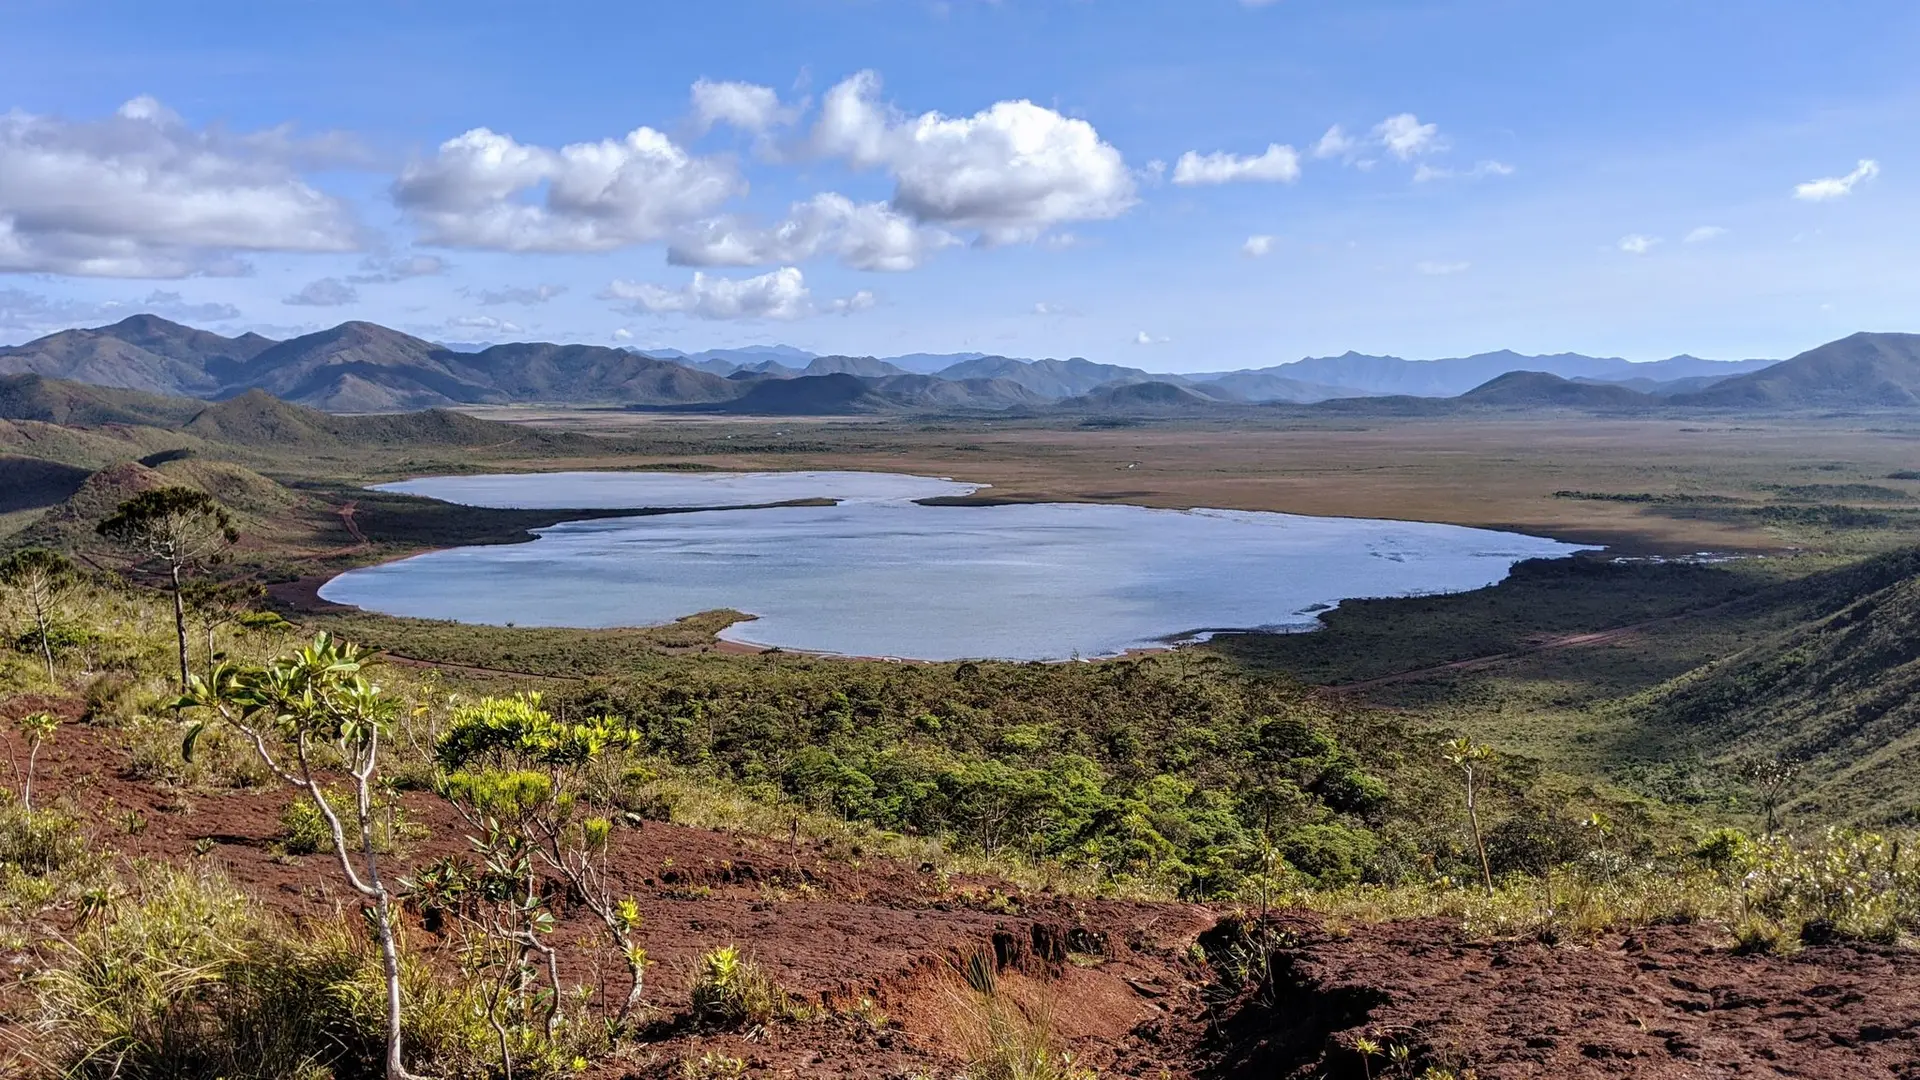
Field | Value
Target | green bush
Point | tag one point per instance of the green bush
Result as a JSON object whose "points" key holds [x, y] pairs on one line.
{"points": [[1330, 854], [185, 978], [41, 842], [730, 990]]}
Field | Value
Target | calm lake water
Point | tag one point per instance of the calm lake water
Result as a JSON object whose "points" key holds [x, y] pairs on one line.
{"points": [[880, 575]]}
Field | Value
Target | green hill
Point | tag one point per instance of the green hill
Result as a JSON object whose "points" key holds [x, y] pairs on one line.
{"points": [[1540, 389], [1861, 371], [58, 401], [1839, 694], [259, 420]]}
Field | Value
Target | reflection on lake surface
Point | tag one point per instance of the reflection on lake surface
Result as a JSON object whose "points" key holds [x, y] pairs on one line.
{"points": [[879, 575]]}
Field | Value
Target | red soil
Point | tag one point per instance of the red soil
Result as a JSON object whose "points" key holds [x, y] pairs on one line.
{"points": [[836, 926]]}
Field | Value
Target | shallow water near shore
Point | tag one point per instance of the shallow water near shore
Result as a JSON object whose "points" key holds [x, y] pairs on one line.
{"points": [[881, 575]]}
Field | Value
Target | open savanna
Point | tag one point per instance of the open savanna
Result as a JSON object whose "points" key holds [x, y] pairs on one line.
{"points": [[1495, 472], [1569, 663]]}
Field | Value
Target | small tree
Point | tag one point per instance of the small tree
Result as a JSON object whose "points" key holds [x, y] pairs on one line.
{"points": [[39, 579], [181, 531], [303, 713], [1467, 756], [510, 764], [38, 730], [214, 604], [1772, 779]]}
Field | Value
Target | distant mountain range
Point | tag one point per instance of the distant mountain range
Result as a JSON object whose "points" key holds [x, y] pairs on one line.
{"points": [[360, 367]]}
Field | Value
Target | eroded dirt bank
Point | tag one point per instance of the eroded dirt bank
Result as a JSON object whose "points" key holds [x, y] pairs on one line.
{"points": [[875, 945]]}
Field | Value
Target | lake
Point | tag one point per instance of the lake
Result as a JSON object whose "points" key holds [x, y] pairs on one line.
{"points": [[878, 574]]}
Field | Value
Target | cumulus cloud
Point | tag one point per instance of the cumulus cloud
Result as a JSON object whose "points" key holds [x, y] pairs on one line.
{"points": [[1406, 138], [1336, 143], [1443, 269], [1279, 164], [1046, 309], [1703, 234], [379, 271], [484, 323], [1257, 246], [485, 190], [622, 334], [1144, 338], [173, 306], [520, 294], [1424, 172], [1636, 244], [1837, 187], [860, 301], [325, 292], [143, 194], [1008, 172], [865, 236], [742, 105], [778, 294], [23, 312]]}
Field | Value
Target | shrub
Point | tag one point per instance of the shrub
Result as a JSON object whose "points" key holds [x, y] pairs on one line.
{"points": [[39, 843], [185, 978], [1331, 854], [730, 990]]}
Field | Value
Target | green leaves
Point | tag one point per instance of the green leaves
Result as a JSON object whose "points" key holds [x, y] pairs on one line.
{"points": [[516, 730], [318, 692]]}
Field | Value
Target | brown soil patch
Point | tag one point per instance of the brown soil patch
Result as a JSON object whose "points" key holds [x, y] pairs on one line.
{"points": [[836, 926]]}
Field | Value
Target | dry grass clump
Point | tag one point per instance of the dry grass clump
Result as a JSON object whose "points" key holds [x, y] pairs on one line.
{"points": [[1005, 1032]]}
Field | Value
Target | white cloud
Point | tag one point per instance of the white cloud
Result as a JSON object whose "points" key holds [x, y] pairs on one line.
{"points": [[1424, 172], [173, 306], [377, 271], [743, 105], [142, 194], [1636, 244], [778, 294], [485, 190], [1703, 234], [1279, 164], [326, 292], [1144, 338], [1008, 172], [1046, 309], [1443, 269], [861, 301], [865, 236], [1406, 138], [1336, 143], [1837, 187], [35, 314], [622, 334], [520, 294], [1257, 246], [483, 323]]}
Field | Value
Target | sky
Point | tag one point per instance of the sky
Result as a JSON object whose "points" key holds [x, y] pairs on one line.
{"points": [[1192, 186]]}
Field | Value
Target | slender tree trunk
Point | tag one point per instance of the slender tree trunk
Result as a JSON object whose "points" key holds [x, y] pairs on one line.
{"points": [[389, 955], [390, 958], [1473, 819], [26, 790], [46, 644], [179, 621]]}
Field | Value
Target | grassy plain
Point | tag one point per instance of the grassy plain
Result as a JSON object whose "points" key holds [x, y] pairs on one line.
{"points": [[1552, 663], [1499, 472]]}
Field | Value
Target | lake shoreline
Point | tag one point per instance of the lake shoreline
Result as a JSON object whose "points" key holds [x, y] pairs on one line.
{"points": [[865, 568]]}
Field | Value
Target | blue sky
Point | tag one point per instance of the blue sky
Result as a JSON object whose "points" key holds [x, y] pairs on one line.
{"points": [[1631, 178]]}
